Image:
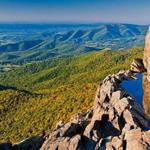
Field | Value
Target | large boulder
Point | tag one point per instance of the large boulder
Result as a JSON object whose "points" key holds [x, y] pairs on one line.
{"points": [[138, 140]]}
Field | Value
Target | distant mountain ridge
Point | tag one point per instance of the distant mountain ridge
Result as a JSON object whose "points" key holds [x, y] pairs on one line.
{"points": [[49, 41]]}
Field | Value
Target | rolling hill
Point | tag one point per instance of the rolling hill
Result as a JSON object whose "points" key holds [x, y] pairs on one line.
{"points": [[28, 43]]}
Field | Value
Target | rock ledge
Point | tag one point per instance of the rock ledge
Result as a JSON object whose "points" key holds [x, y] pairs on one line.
{"points": [[116, 121]]}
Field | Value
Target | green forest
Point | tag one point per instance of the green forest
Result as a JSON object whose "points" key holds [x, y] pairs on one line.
{"points": [[35, 96]]}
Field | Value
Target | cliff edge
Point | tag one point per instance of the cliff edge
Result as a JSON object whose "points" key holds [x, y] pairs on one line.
{"points": [[116, 121]]}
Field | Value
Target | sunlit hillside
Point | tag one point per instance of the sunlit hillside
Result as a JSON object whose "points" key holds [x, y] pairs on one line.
{"points": [[36, 96]]}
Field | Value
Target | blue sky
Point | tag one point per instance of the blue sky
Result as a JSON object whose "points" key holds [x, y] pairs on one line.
{"points": [[127, 11]]}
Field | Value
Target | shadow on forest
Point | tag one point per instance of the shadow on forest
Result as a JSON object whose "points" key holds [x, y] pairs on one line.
{"points": [[2, 87]]}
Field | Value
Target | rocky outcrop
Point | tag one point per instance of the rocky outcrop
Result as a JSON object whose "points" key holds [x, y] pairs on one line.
{"points": [[147, 54], [116, 121], [146, 96], [146, 77]]}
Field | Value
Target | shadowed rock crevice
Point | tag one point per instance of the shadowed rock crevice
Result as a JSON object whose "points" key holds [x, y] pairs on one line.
{"points": [[124, 144], [121, 122]]}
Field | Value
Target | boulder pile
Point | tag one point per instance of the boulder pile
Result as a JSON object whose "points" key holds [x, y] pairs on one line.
{"points": [[116, 121]]}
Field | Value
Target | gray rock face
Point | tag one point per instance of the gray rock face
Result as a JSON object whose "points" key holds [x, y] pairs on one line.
{"points": [[147, 54], [116, 122]]}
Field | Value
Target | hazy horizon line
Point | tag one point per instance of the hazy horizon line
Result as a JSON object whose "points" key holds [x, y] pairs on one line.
{"points": [[69, 22]]}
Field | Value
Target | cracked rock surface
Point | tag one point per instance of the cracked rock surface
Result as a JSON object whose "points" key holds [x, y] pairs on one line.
{"points": [[116, 122]]}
